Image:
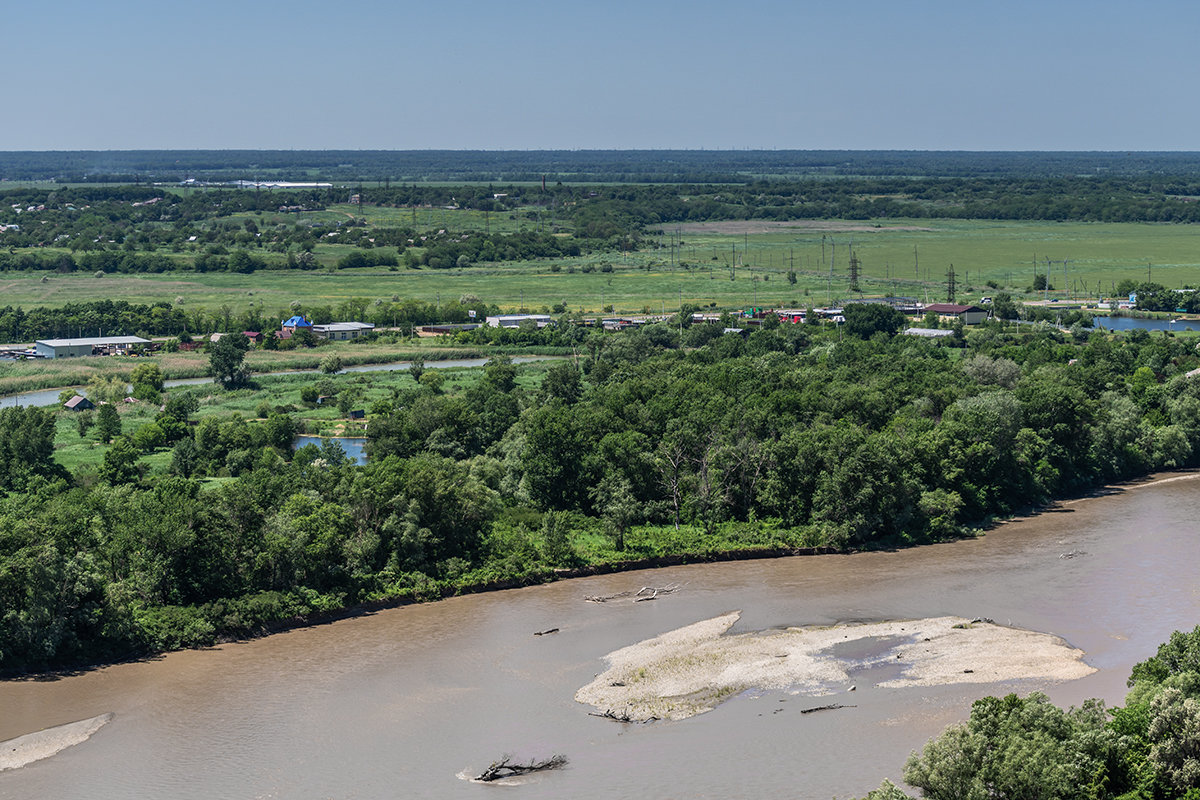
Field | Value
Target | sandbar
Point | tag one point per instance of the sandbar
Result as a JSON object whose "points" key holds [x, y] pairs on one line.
{"points": [[31, 747], [690, 670]]}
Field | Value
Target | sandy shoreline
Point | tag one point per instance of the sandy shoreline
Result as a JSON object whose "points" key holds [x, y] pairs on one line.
{"points": [[691, 670], [31, 747]]}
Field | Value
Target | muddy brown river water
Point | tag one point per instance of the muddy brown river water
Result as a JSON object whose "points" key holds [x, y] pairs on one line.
{"points": [[402, 702]]}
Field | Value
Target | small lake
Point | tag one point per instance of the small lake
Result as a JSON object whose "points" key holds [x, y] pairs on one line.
{"points": [[1131, 323], [354, 447]]}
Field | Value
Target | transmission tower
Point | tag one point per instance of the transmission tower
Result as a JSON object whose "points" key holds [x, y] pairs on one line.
{"points": [[854, 272], [950, 285]]}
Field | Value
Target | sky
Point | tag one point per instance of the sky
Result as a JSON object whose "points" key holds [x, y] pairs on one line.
{"points": [[510, 74]]}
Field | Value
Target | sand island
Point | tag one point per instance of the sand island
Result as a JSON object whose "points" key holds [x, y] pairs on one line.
{"points": [[32, 747], [691, 670]]}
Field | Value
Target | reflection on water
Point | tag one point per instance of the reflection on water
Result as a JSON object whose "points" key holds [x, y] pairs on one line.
{"points": [[1130, 323], [398, 703], [355, 448]]}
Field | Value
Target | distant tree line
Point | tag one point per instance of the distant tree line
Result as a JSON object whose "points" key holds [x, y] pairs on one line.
{"points": [[611, 166]]}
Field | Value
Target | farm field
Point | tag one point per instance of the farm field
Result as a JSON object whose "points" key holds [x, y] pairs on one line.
{"points": [[731, 264]]}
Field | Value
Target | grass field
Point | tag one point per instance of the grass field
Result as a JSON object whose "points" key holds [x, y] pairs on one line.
{"points": [[1099, 255]]}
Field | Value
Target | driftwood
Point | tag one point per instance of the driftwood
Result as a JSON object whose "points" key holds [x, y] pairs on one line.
{"points": [[621, 717], [831, 707], [545, 632], [643, 594], [506, 768]]}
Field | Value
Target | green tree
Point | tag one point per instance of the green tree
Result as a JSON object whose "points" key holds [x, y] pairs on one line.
{"points": [[149, 437], [106, 390], [614, 499], [225, 360], [26, 445], [108, 422], [501, 373], [866, 319], [1014, 747], [1174, 738], [184, 459], [416, 368], [181, 404], [432, 380], [562, 382], [83, 422], [147, 380], [120, 463], [556, 541], [331, 364]]}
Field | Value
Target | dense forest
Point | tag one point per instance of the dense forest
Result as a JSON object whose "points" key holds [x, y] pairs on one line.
{"points": [[795, 436]]}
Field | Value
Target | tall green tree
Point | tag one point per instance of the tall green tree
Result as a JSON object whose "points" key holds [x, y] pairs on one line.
{"points": [[108, 422], [26, 446], [225, 360]]}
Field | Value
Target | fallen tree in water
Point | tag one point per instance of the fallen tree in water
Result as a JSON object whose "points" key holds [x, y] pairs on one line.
{"points": [[645, 593], [506, 768]]}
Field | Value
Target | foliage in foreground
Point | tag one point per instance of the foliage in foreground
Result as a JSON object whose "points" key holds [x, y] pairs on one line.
{"points": [[1013, 747]]}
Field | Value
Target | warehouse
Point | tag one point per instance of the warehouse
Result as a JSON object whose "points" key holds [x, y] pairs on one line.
{"points": [[92, 346]]}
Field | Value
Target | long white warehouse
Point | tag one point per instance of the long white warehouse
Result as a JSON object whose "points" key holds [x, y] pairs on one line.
{"points": [[94, 345]]}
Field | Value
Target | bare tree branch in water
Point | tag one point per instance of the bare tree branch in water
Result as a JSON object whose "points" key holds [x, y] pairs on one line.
{"points": [[506, 768]]}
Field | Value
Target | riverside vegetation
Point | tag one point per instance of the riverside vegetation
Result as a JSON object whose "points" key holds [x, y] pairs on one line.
{"points": [[798, 435], [1014, 747]]}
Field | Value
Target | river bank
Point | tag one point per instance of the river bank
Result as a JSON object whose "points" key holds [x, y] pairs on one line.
{"points": [[314, 610]]}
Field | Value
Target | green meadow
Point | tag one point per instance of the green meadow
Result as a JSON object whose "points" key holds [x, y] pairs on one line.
{"points": [[727, 264]]}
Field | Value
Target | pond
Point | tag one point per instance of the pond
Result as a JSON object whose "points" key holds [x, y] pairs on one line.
{"points": [[354, 447]]}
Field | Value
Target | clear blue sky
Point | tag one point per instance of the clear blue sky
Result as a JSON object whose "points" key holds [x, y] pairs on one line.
{"points": [[497, 74]]}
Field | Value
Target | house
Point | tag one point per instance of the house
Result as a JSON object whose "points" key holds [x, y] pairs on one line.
{"points": [[292, 323], [255, 337], [970, 315], [90, 346], [341, 331], [78, 403]]}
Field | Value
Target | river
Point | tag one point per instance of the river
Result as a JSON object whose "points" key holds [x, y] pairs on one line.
{"points": [[49, 397], [399, 702]]}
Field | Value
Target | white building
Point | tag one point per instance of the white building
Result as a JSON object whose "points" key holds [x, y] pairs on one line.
{"points": [[339, 331], [95, 345], [515, 320]]}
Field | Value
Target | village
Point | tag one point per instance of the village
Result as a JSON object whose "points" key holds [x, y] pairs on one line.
{"points": [[740, 322]]}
